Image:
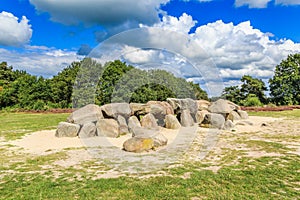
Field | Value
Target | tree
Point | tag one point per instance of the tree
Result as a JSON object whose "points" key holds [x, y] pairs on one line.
{"points": [[62, 85], [285, 84], [253, 86], [234, 94]]}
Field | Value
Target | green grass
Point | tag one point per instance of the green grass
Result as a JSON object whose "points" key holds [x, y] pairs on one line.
{"points": [[24, 177], [15, 125], [263, 178], [290, 114]]}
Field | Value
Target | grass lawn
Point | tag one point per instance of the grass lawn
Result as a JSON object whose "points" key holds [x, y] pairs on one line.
{"points": [[249, 178], [15, 125]]}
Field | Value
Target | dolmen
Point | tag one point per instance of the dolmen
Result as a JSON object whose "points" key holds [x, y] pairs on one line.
{"points": [[143, 121]]}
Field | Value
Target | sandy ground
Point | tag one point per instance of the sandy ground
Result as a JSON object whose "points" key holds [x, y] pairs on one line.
{"points": [[43, 143]]}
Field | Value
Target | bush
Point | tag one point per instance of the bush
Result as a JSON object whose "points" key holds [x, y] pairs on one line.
{"points": [[252, 100]]}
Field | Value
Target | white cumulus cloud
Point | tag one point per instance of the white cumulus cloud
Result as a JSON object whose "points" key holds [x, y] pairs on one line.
{"points": [[14, 32], [252, 3], [287, 2]]}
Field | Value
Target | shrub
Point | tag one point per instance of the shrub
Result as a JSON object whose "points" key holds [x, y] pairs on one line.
{"points": [[252, 100]]}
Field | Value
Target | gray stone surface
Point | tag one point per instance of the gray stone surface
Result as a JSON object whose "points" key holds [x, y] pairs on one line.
{"points": [[138, 145], [88, 130], [88, 113], [132, 123], [200, 115], [149, 121], [123, 127], [233, 116], [221, 106], [186, 119], [65, 129], [243, 114], [172, 122], [139, 108], [228, 125], [115, 109], [108, 128], [214, 120]]}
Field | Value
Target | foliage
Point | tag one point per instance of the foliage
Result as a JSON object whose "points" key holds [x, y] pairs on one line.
{"points": [[252, 100], [250, 93], [88, 82], [285, 84], [234, 94], [253, 86]]}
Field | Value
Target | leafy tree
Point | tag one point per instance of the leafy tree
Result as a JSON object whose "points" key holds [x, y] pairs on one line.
{"points": [[253, 86], [234, 94], [285, 84], [62, 85]]}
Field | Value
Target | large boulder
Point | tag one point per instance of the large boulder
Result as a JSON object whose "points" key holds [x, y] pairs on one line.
{"points": [[158, 138], [243, 114], [172, 122], [221, 106], [149, 121], [179, 105], [88, 130], [168, 109], [139, 108], [200, 115], [88, 113], [65, 129], [203, 104], [186, 119], [137, 144], [159, 112], [133, 122], [123, 127], [233, 116], [214, 120], [108, 128], [113, 110], [144, 132]]}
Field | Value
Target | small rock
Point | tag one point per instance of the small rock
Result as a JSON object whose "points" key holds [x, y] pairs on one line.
{"points": [[65, 129], [245, 123], [264, 124]]}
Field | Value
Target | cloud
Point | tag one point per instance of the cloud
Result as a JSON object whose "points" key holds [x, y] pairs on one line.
{"points": [[252, 3], [264, 3], [235, 49], [39, 60], [14, 32], [183, 24], [106, 13], [287, 2]]}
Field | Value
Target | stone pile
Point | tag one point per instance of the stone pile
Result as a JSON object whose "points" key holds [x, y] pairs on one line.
{"points": [[143, 121]]}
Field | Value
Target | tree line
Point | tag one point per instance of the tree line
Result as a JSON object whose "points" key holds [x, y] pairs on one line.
{"points": [[284, 86], [88, 81]]}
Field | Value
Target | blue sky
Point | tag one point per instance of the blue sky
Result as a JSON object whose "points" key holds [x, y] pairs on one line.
{"points": [[242, 36]]}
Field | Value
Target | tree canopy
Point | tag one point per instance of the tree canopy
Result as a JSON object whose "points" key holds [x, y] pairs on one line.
{"points": [[285, 84], [88, 81]]}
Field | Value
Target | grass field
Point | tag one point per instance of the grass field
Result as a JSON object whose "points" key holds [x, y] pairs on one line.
{"points": [[268, 177]]}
